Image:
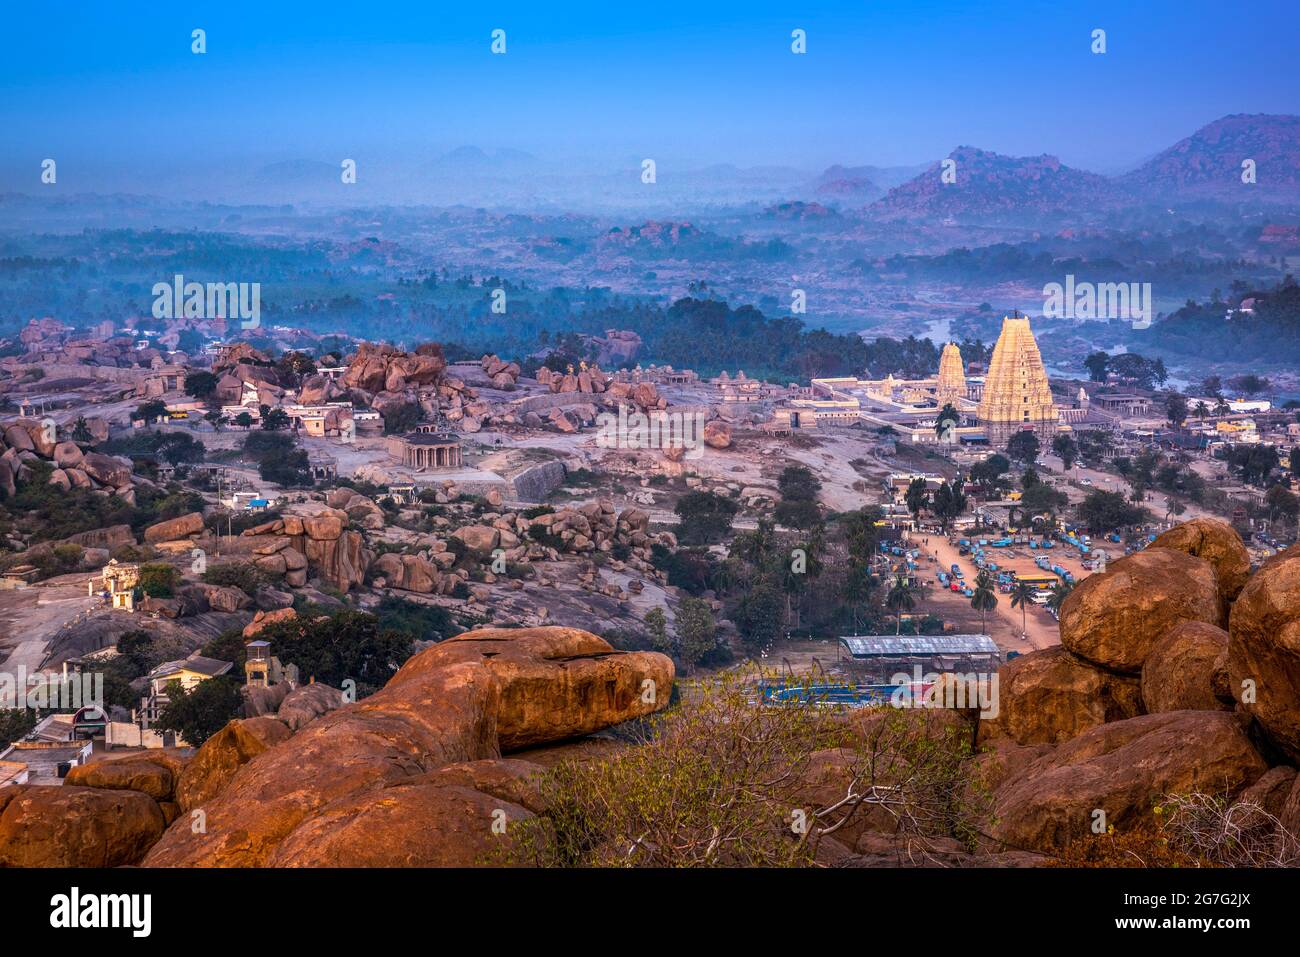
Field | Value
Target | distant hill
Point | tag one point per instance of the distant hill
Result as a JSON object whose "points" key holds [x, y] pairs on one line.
{"points": [[1209, 162], [990, 186]]}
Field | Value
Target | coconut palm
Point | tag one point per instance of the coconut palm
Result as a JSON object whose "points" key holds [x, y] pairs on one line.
{"points": [[1021, 597], [985, 599], [898, 600], [1060, 592]]}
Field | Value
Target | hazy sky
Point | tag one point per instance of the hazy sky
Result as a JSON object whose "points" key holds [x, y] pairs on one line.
{"points": [[114, 81]]}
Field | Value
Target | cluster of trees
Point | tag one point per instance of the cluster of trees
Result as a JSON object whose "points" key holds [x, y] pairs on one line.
{"points": [[1128, 367], [1271, 332], [278, 458]]}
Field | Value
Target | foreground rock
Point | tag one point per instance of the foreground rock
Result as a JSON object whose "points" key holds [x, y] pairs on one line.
{"points": [[328, 793], [557, 683], [71, 826], [1114, 619], [1264, 652], [1124, 769], [1219, 544], [1050, 696], [153, 773], [217, 760], [1187, 670]]}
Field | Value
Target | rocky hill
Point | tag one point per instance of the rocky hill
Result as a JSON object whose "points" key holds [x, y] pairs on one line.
{"points": [[989, 186], [1208, 164]]}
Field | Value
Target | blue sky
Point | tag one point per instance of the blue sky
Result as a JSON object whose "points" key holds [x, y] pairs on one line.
{"points": [[883, 82]]}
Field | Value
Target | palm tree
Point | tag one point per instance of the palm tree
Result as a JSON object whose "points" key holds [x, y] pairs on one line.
{"points": [[1021, 597], [1060, 592], [985, 599], [898, 600], [1202, 410]]}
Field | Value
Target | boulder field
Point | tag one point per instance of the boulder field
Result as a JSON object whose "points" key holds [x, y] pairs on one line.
{"points": [[1178, 670], [410, 776]]}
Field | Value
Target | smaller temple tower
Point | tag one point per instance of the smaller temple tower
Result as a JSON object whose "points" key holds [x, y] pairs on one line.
{"points": [[952, 376]]}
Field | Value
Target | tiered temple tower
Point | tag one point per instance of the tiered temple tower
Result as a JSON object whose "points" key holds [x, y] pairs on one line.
{"points": [[952, 376], [1016, 392]]}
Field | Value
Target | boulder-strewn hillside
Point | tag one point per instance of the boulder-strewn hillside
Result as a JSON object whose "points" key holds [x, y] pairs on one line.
{"points": [[1174, 695], [1209, 162]]}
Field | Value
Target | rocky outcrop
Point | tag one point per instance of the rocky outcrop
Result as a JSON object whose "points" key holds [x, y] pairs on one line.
{"points": [[321, 542], [73, 826], [444, 707], [1187, 670], [1122, 769], [1219, 544], [717, 434], [411, 573], [305, 704], [556, 683], [1114, 619], [1264, 651], [1050, 696], [217, 760], [154, 773]]}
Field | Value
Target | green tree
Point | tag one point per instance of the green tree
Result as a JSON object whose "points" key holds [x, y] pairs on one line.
{"points": [[656, 624], [1066, 448], [1097, 363], [1103, 511], [1022, 595], [985, 598], [200, 384], [704, 517], [150, 411], [158, 580], [1060, 591], [898, 600], [917, 497], [696, 631], [1023, 447], [201, 712], [760, 613]]}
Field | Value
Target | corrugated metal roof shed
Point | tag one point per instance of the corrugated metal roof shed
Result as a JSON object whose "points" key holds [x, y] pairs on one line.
{"points": [[919, 646]]}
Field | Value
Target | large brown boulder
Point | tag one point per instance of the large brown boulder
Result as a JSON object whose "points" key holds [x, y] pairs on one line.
{"points": [[152, 772], [1264, 651], [43, 826], [1113, 619], [219, 757], [556, 683], [1123, 769], [106, 469], [1219, 544], [305, 704], [173, 529], [1187, 670], [1050, 696], [412, 825], [717, 434], [479, 540], [442, 717]]}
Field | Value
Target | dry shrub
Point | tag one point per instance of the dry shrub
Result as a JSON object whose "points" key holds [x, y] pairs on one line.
{"points": [[723, 780]]}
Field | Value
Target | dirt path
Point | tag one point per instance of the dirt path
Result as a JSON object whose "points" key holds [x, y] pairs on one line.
{"points": [[31, 617]]}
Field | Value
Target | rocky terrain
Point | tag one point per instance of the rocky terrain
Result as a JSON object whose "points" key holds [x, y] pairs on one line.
{"points": [[1178, 674]]}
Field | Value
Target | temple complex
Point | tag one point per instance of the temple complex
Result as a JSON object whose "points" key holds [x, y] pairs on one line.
{"points": [[427, 450], [1016, 394]]}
